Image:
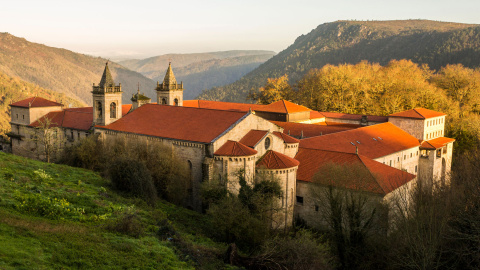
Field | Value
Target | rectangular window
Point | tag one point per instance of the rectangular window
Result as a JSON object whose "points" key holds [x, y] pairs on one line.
{"points": [[439, 153], [299, 200], [416, 168], [390, 163], [17, 115], [398, 159], [23, 117], [316, 208], [404, 157], [411, 154]]}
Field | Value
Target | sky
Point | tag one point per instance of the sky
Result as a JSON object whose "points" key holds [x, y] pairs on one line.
{"points": [[144, 28]]}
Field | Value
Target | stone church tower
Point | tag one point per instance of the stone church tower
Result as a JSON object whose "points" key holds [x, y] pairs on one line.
{"points": [[107, 100], [169, 92]]}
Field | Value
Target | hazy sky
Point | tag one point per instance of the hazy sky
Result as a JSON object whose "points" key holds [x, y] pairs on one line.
{"points": [[146, 28]]}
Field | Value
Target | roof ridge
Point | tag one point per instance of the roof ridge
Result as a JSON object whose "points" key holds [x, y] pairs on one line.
{"points": [[415, 109]]}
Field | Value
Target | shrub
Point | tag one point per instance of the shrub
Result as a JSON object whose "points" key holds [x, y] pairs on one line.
{"points": [[53, 208], [129, 224], [132, 176]]}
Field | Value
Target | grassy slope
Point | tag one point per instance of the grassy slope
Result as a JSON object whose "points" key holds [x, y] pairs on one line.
{"points": [[33, 238]]}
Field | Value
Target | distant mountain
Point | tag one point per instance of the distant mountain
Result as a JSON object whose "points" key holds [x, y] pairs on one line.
{"points": [[434, 43], [14, 89], [64, 71], [200, 71]]}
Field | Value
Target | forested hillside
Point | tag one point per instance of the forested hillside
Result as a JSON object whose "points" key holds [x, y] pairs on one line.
{"points": [[425, 42], [62, 70], [200, 71], [14, 89]]}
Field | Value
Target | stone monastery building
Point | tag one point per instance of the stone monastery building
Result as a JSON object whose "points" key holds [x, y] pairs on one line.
{"points": [[217, 139]]}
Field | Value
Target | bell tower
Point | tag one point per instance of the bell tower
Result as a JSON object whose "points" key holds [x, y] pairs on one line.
{"points": [[169, 92], [107, 100]]}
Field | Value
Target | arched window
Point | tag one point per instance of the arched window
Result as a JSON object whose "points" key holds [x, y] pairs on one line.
{"points": [[113, 110], [175, 102], [99, 109], [164, 101]]}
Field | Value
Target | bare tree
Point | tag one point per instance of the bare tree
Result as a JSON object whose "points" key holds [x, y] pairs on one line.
{"points": [[346, 210], [48, 139]]}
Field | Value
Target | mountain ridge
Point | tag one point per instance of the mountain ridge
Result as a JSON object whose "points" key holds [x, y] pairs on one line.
{"points": [[422, 41], [62, 70]]}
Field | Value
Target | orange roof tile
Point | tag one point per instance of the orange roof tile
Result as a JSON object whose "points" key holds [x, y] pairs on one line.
{"points": [[436, 143], [220, 105], [67, 119], [417, 113], [252, 138], [281, 106], [372, 141], [316, 115], [310, 130], [233, 148], [348, 116], [285, 106], [35, 102], [379, 178], [176, 122], [286, 138], [273, 160]]}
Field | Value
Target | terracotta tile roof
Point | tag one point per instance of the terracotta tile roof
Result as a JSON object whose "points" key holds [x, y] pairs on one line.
{"points": [[347, 116], [310, 130], [273, 160], [233, 148], [315, 115], [68, 119], [285, 106], [372, 141], [286, 138], [220, 105], [378, 178], [180, 123], [125, 109], [281, 106], [35, 102], [436, 143], [417, 113], [252, 138]]}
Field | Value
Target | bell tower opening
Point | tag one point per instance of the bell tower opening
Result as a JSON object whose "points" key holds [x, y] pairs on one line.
{"points": [[169, 92]]}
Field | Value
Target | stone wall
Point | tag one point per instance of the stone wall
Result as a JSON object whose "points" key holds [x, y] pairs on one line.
{"points": [[249, 122], [407, 160], [288, 182]]}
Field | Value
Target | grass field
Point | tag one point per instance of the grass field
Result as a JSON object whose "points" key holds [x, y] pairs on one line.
{"points": [[59, 217]]}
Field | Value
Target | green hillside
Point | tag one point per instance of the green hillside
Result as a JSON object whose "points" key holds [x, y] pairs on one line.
{"points": [[62, 70], [14, 89], [434, 43], [60, 217], [200, 71]]}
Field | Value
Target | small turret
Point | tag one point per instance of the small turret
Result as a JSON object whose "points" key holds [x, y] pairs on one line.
{"points": [[139, 99]]}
